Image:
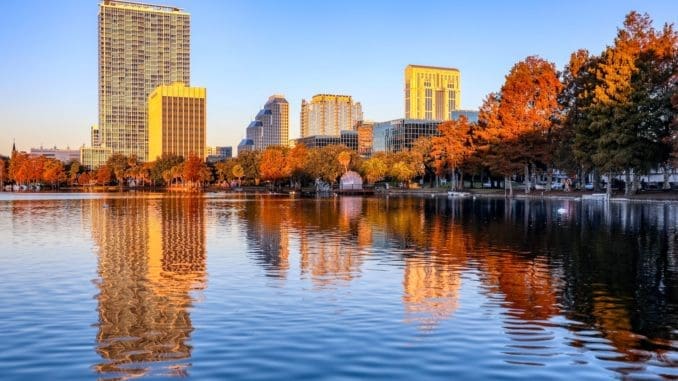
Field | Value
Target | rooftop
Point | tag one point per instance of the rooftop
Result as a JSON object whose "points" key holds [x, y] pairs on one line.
{"points": [[141, 6], [432, 67]]}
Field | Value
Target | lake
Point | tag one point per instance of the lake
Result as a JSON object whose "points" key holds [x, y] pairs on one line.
{"points": [[218, 286]]}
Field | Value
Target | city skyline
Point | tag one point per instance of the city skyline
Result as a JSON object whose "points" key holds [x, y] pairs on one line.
{"points": [[492, 39]]}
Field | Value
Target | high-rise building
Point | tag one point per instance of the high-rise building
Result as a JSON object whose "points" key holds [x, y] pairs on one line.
{"points": [[431, 92], [365, 138], [95, 136], [176, 121], [328, 114], [271, 125], [141, 47]]}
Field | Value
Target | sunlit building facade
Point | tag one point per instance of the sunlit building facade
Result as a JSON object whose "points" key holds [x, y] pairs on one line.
{"points": [[141, 47], [398, 135], [328, 114], [365, 137], [271, 125], [177, 121], [431, 92], [94, 157]]}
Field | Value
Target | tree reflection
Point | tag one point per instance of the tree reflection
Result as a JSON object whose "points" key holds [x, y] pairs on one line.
{"points": [[151, 257]]}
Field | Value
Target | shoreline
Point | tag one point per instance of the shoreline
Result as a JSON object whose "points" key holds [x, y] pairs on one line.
{"points": [[654, 197]]}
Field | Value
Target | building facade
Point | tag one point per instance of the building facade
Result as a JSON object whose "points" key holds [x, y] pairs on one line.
{"points": [[94, 157], [471, 115], [95, 136], [328, 114], [245, 145], [347, 138], [271, 125], [63, 155], [365, 136], [431, 92], [140, 48], [398, 135], [217, 154], [177, 121]]}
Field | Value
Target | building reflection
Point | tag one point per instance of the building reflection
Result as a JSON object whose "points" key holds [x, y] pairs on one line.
{"points": [[151, 259]]}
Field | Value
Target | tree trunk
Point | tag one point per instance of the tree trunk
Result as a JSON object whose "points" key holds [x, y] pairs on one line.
{"points": [[507, 182], [461, 180], [636, 183], [596, 180], [627, 182], [527, 179], [667, 171], [609, 185]]}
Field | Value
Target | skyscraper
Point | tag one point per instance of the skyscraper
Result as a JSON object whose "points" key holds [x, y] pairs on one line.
{"points": [[328, 114], [141, 46], [176, 121], [271, 125], [431, 92]]}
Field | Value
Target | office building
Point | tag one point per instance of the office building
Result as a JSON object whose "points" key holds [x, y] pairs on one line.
{"points": [[63, 155], [347, 138], [431, 92], [365, 136], [328, 114], [471, 115], [245, 145], [217, 154], [94, 157], [177, 121], [141, 47], [398, 135], [271, 125], [95, 136]]}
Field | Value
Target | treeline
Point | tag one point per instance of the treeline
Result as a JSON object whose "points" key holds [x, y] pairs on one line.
{"points": [[25, 170], [610, 114]]}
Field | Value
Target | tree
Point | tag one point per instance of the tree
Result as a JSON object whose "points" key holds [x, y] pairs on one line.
{"points": [[84, 179], [344, 159], [238, 172], [104, 175], [452, 147], [374, 169], [194, 171], [164, 164], [3, 172], [249, 161], [73, 171], [273, 164], [224, 170], [422, 148], [517, 121], [297, 157], [53, 172], [118, 164]]}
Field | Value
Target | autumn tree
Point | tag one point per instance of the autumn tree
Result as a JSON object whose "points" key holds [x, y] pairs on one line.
{"points": [[273, 164], [103, 175], [423, 148], [297, 157], [53, 172], [238, 172], [519, 118], [84, 179], [3, 172], [452, 147], [344, 159], [323, 163], [374, 169], [194, 171]]}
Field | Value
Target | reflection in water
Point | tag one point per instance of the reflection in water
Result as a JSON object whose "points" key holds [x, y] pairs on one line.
{"points": [[609, 270], [151, 257]]}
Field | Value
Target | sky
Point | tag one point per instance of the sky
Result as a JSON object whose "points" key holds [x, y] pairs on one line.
{"points": [[244, 51]]}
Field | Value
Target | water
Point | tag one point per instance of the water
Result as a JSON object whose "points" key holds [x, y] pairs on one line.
{"points": [[223, 287]]}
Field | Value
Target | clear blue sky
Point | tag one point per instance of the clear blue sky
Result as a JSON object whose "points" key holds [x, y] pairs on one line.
{"points": [[244, 51]]}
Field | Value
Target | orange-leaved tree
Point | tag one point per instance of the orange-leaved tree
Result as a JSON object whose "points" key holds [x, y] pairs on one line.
{"points": [[452, 147]]}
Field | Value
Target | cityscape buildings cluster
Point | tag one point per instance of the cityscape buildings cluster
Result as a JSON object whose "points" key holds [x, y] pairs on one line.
{"points": [[147, 107]]}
